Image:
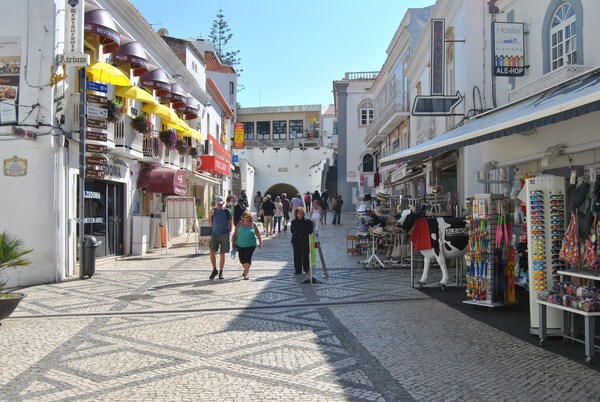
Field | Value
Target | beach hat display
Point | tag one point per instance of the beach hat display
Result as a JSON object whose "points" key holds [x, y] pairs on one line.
{"points": [[362, 209], [367, 197], [378, 231], [382, 195]]}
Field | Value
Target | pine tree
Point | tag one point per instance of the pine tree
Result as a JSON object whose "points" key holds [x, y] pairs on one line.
{"points": [[220, 35]]}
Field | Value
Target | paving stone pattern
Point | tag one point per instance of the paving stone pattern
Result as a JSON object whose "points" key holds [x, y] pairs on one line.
{"points": [[156, 328]]}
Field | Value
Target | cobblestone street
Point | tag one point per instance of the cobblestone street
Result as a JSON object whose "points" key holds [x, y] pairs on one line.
{"points": [[156, 328]]}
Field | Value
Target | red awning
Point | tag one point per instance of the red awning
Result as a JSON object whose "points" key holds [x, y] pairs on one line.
{"points": [[191, 108], [165, 181], [157, 79], [213, 164], [177, 96], [100, 22], [132, 52]]}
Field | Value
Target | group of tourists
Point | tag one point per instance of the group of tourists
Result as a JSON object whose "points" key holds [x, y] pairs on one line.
{"points": [[274, 214]]}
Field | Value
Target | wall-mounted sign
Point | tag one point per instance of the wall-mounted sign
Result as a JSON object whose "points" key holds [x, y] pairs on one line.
{"points": [[15, 166], [238, 136], [21, 132], [508, 56], [73, 59], [282, 169], [74, 27]]}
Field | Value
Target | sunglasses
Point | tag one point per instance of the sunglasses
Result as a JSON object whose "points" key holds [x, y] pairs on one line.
{"points": [[557, 221], [538, 222], [556, 196], [536, 198], [536, 192]]}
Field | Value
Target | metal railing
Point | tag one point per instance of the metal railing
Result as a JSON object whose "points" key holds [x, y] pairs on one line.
{"points": [[546, 81], [399, 104]]}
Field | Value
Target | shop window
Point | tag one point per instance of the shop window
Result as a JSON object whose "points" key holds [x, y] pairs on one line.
{"points": [[279, 130], [263, 130], [249, 130], [296, 128]]}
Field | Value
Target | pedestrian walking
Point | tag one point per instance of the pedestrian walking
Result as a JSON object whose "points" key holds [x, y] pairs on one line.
{"points": [[296, 203], [286, 210], [268, 212], [246, 238], [277, 215], [307, 201], [301, 228], [258, 200], [238, 210], [337, 209], [221, 223], [315, 216], [324, 203], [244, 198]]}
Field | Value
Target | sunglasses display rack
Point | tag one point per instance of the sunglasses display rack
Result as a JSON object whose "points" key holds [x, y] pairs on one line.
{"points": [[482, 276], [545, 232]]}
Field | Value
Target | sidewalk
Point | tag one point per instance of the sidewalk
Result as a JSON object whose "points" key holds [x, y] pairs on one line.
{"points": [[156, 328]]}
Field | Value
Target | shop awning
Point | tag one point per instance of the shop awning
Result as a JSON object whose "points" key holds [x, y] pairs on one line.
{"points": [[562, 102], [191, 108], [213, 164], [107, 73], [164, 181], [157, 79], [220, 149], [137, 94], [133, 52], [100, 22], [177, 96]]}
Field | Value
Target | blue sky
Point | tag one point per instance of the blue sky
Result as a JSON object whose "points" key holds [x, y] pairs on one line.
{"points": [[290, 51]]}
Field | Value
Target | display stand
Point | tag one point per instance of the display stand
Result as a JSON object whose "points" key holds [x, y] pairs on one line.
{"points": [[182, 208], [545, 196], [315, 247], [485, 279]]}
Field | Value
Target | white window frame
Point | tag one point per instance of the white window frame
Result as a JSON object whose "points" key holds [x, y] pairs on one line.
{"points": [[563, 37]]}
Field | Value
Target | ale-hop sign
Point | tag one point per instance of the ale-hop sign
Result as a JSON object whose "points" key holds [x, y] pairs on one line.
{"points": [[509, 51]]}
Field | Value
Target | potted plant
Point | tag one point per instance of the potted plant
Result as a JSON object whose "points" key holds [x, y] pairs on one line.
{"points": [[141, 124], [11, 256], [169, 138], [115, 110], [182, 147]]}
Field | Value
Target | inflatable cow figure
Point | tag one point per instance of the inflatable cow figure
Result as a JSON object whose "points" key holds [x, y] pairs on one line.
{"points": [[438, 238]]}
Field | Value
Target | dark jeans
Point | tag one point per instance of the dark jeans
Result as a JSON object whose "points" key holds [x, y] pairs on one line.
{"points": [[336, 217], [301, 256], [277, 223]]}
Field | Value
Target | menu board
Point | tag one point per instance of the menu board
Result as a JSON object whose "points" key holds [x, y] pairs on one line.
{"points": [[10, 67]]}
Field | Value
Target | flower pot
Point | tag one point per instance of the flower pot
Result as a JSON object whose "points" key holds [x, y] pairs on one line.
{"points": [[9, 304]]}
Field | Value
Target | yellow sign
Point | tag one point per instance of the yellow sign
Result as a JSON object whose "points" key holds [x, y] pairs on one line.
{"points": [[238, 136], [15, 166]]}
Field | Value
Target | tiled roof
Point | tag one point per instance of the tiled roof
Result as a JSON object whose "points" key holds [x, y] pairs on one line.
{"points": [[213, 64]]}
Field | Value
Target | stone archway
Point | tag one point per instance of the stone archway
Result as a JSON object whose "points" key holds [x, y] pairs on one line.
{"points": [[279, 188]]}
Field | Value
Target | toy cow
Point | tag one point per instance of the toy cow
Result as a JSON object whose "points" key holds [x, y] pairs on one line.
{"points": [[435, 237]]}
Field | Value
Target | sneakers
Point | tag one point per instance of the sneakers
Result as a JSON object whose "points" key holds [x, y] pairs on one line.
{"points": [[221, 275], [213, 274]]}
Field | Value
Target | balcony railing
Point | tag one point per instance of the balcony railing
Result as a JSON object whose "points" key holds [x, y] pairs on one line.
{"points": [[398, 106], [127, 140], [361, 76], [546, 81], [74, 101]]}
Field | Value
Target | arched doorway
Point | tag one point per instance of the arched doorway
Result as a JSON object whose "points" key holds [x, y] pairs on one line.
{"points": [[279, 188]]}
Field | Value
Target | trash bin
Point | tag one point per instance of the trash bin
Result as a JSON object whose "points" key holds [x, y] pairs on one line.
{"points": [[88, 262]]}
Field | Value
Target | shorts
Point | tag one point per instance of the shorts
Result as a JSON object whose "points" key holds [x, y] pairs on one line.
{"points": [[286, 216], [245, 254], [220, 243], [268, 220]]}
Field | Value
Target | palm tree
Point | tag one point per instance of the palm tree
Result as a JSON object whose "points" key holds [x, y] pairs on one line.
{"points": [[11, 252]]}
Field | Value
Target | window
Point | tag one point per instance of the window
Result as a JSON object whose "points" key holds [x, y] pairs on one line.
{"points": [[367, 163], [263, 130], [279, 130], [248, 130], [296, 128], [366, 113], [231, 87], [563, 35], [194, 67]]}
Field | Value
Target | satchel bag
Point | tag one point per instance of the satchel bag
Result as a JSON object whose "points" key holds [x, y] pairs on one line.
{"points": [[397, 251]]}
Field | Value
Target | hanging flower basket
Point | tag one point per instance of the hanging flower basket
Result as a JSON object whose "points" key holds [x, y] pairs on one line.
{"points": [[182, 147], [193, 152], [141, 124], [169, 138], [115, 110]]}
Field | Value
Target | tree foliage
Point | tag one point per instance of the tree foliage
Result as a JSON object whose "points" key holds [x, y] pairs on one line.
{"points": [[220, 35]]}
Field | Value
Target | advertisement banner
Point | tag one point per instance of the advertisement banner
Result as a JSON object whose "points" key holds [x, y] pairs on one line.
{"points": [[509, 51], [10, 67], [238, 136]]}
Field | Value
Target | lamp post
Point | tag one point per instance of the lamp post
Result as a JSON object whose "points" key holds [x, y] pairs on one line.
{"points": [[82, 130]]}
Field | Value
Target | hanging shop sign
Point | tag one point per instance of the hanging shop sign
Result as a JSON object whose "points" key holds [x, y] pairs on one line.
{"points": [[508, 56], [10, 67], [238, 136], [15, 166], [438, 55], [74, 27]]}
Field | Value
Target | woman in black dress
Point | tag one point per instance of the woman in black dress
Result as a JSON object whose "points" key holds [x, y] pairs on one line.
{"points": [[301, 229]]}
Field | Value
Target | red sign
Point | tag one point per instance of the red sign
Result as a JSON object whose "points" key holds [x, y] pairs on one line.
{"points": [[214, 164]]}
